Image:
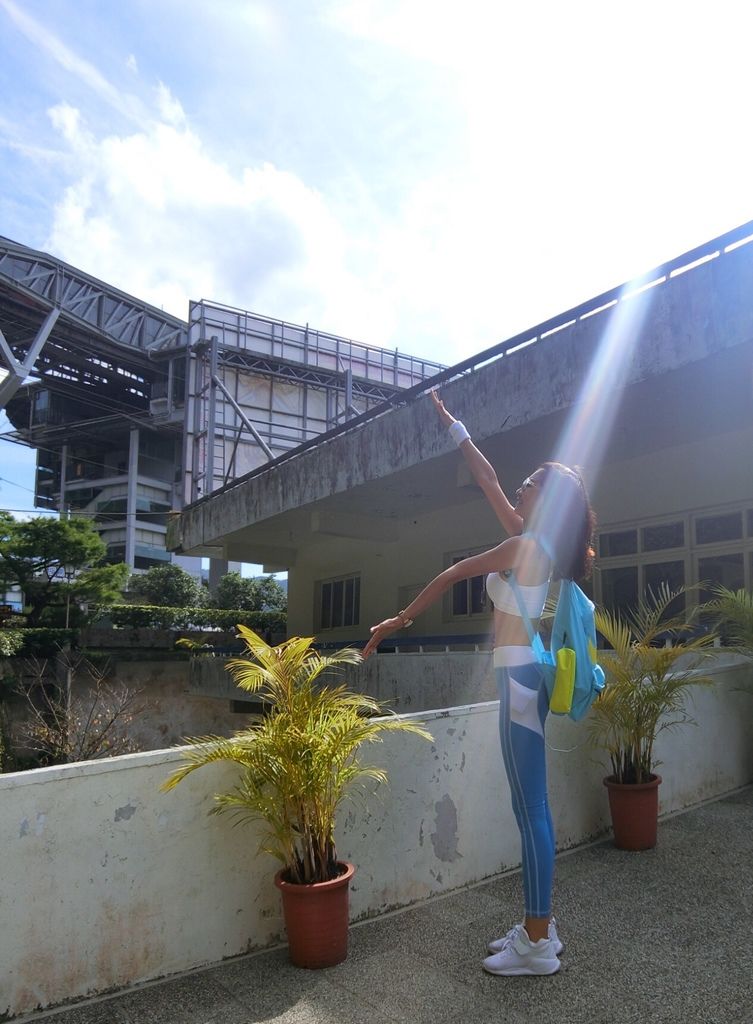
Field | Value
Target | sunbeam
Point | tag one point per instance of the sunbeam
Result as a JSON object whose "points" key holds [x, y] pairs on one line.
{"points": [[585, 436], [589, 426]]}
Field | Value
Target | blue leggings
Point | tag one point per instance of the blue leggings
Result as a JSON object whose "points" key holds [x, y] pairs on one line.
{"points": [[523, 707]]}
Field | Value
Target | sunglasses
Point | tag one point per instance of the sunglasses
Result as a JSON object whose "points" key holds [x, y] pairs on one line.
{"points": [[528, 482]]}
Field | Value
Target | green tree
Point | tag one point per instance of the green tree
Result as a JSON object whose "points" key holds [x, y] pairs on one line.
{"points": [[57, 565], [249, 595], [167, 585]]}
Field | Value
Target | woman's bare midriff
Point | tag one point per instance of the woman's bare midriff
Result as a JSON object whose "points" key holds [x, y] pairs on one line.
{"points": [[510, 631]]}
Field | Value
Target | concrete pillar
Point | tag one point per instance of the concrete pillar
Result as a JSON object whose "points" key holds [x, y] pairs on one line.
{"points": [[217, 569], [133, 480]]}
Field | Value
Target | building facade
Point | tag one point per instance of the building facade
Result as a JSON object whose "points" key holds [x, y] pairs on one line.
{"points": [[649, 388]]}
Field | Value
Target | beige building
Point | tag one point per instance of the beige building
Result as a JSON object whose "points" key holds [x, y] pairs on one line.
{"points": [[649, 388]]}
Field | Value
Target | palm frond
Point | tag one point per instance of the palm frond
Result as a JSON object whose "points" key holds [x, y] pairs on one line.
{"points": [[648, 680], [733, 611], [300, 760]]}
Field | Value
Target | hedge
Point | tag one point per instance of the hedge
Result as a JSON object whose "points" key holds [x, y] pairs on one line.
{"points": [[44, 640], [134, 616]]}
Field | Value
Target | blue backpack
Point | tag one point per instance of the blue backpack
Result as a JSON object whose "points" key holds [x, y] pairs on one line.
{"points": [[572, 676]]}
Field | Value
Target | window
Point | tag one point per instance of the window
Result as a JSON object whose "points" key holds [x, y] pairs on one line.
{"points": [[665, 535], [712, 529], [727, 569], [619, 588], [669, 574], [469, 596], [620, 542], [339, 602], [708, 546]]}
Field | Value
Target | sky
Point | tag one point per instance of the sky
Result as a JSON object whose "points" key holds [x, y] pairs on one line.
{"points": [[414, 174]]}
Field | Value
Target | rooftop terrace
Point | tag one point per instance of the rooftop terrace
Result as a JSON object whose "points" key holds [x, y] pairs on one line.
{"points": [[655, 936]]}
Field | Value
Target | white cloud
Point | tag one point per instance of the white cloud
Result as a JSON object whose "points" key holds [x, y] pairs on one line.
{"points": [[154, 213], [170, 109]]}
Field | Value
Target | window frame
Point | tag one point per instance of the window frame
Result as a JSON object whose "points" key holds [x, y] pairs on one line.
{"points": [[691, 553], [448, 601], [319, 591]]}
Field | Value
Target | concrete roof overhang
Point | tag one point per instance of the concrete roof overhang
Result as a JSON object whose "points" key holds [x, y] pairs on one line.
{"points": [[693, 345]]}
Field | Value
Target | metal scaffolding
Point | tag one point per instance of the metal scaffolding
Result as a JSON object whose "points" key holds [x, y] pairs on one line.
{"points": [[257, 387], [130, 407]]}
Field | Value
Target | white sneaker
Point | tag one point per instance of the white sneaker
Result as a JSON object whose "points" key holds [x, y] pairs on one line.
{"points": [[521, 956], [497, 945]]}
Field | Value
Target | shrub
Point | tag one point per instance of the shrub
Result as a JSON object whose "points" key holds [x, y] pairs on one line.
{"points": [[159, 617], [44, 641]]}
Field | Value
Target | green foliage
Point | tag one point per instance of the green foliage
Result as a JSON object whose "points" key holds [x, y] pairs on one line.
{"points": [[167, 585], [733, 610], [158, 617], [647, 682], [36, 554], [299, 761], [11, 641], [45, 641], [239, 592]]}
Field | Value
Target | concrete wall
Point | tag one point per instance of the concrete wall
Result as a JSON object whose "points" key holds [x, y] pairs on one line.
{"points": [[408, 682], [107, 882]]}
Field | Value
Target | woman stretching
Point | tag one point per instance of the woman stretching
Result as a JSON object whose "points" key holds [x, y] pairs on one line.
{"points": [[551, 528]]}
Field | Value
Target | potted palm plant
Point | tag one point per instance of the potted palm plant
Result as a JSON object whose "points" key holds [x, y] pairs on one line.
{"points": [[654, 663], [298, 762]]}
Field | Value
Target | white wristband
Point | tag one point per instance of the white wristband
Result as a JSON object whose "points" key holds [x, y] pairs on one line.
{"points": [[458, 433]]}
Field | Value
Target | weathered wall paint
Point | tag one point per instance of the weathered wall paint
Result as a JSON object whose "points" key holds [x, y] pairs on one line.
{"points": [[107, 882]]}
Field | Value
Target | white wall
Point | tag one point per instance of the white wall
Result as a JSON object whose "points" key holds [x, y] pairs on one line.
{"points": [[107, 882]]}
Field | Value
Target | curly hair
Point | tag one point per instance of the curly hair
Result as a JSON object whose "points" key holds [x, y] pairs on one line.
{"points": [[568, 520]]}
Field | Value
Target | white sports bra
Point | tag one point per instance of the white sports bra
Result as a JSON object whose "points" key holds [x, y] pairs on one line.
{"points": [[503, 597]]}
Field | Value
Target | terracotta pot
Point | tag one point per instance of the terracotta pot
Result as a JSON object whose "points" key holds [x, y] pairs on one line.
{"points": [[316, 919], [635, 812]]}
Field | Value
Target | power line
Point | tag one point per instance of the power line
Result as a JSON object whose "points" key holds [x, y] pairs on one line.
{"points": [[73, 458], [14, 484], [90, 515]]}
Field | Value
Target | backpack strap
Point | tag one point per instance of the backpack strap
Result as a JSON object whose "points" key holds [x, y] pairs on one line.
{"points": [[510, 574], [542, 542]]}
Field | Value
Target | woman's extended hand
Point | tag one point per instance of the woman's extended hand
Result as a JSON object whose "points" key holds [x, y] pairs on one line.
{"points": [[379, 632], [444, 416]]}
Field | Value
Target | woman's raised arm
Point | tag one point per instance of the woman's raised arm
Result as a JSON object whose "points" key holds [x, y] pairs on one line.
{"points": [[481, 469]]}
